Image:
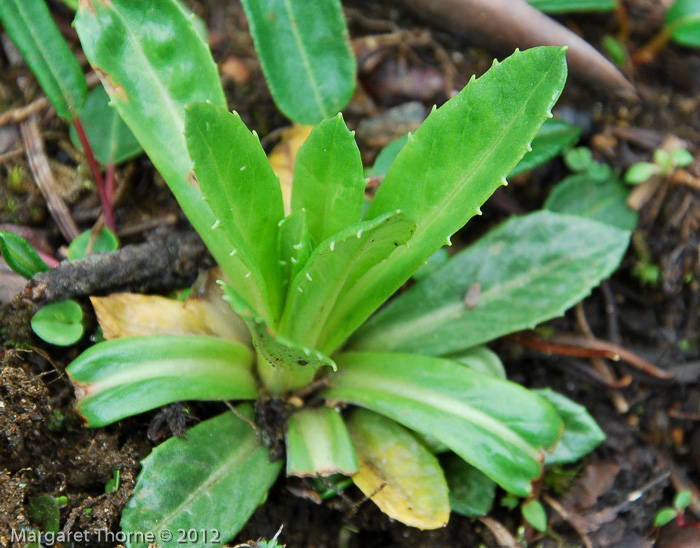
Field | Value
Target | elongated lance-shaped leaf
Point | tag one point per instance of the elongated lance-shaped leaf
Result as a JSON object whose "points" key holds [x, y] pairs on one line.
{"points": [[305, 55], [318, 444], [283, 364], [123, 377], [528, 270], [568, 6], [328, 179], [397, 472], [111, 140], [152, 63], [210, 481], [453, 163], [29, 25], [495, 425], [334, 267], [244, 194], [20, 256], [295, 247]]}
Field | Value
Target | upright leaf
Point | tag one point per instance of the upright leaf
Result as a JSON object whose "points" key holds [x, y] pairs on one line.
{"points": [[397, 472], [20, 256], [334, 267], [529, 269], [29, 25], [209, 482], [328, 179], [123, 377], [244, 194], [453, 163], [305, 55], [495, 425], [152, 63], [111, 140], [295, 247], [318, 444]]}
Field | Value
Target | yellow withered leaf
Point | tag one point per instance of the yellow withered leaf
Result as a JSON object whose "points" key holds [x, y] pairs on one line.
{"points": [[203, 313], [397, 472], [282, 160]]}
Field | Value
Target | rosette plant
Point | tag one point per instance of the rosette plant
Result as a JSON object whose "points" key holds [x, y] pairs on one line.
{"points": [[287, 326]]}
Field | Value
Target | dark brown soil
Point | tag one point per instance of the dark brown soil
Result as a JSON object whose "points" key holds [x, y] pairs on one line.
{"points": [[610, 499]]}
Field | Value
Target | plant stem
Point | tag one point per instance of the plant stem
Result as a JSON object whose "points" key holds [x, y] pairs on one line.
{"points": [[283, 378], [648, 52], [103, 192]]}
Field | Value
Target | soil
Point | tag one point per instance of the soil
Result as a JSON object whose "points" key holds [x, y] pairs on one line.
{"points": [[609, 499]]}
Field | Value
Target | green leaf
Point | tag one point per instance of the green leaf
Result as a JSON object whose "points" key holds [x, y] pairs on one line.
{"points": [[305, 55], [244, 194], [683, 22], [333, 269], [554, 137], [640, 172], [581, 432], [604, 201], [210, 481], [152, 63], [529, 269], [682, 499], [104, 242], [283, 364], [295, 247], [111, 140], [665, 516], [534, 514], [123, 377], [579, 159], [29, 25], [318, 444], [453, 163], [59, 323], [387, 156], [20, 256], [471, 492], [482, 360], [397, 472], [570, 6], [328, 179], [495, 425], [43, 510]]}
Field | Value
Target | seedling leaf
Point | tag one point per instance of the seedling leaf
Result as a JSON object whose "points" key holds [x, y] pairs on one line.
{"points": [[534, 514], [471, 492], [465, 410], [328, 179], [603, 201], [305, 55], [397, 472], [123, 377], [29, 25], [111, 140], [318, 444], [210, 481], [683, 22], [59, 323], [105, 241], [453, 163], [529, 269], [581, 432], [20, 256]]}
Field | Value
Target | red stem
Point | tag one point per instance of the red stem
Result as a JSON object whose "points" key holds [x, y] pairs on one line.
{"points": [[109, 185], [102, 191]]}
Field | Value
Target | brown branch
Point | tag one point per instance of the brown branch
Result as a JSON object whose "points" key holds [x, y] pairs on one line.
{"points": [[161, 264]]}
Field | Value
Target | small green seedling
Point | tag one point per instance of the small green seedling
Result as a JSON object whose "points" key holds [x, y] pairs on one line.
{"points": [[665, 163], [534, 513], [294, 318], [112, 486], [261, 543], [59, 323], [102, 242], [677, 512], [681, 24]]}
